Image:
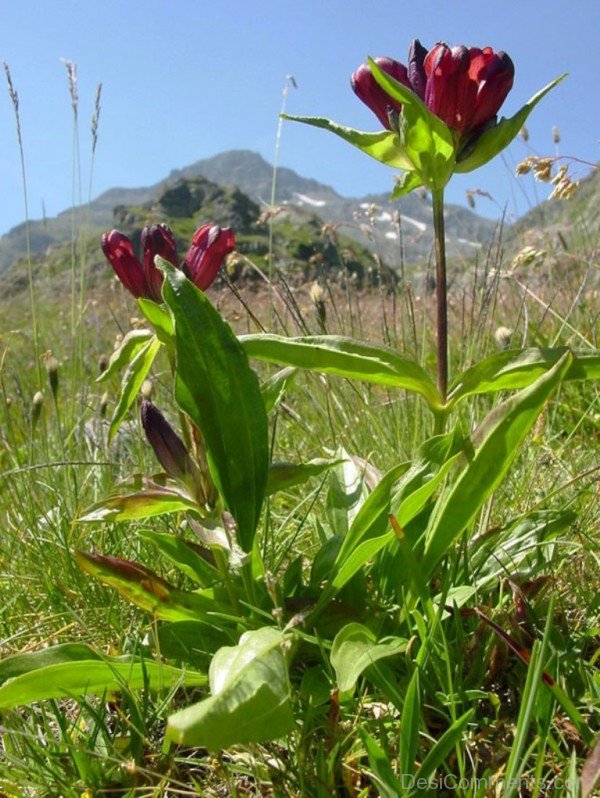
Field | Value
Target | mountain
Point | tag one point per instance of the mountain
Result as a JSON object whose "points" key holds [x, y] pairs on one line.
{"points": [[294, 234], [571, 222], [372, 220]]}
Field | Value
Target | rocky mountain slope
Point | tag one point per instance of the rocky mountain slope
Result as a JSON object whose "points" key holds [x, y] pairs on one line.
{"points": [[381, 228]]}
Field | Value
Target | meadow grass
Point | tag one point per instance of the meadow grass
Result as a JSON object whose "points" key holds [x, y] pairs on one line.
{"points": [[56, 460]]}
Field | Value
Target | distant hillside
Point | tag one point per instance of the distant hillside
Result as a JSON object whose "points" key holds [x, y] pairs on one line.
{"points": [[301, 248], [249, 172], [575, 220]]}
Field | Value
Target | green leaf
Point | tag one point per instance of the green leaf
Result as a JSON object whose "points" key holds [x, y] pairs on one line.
{"points": [[132, 382], [191, 642], [355, 648], [388, 786], [146, 589], [372, 518], [405, 184], [121, 357], [447, 742], [384, 146], [344, 357], [76, 669], [345, 494], [425, 139], [285, 475], [494, 140], [159, 318], [250, 699], [533, 683], [275, 387], [409, 727], [145, 504], [219, 391], [517, 368], [187, 556], [495, 445]]}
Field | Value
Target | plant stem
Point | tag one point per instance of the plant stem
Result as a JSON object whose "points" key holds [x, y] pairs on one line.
{"points": [[441, 291]]}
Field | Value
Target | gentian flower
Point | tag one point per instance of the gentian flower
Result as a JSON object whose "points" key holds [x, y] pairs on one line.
{"points": [[439, 112], [370, 92], [464, 87], [210, 245], [157, 240]]}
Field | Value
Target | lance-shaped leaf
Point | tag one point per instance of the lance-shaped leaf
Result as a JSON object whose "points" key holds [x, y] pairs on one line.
{"points": [[355, 648], [190, 558], [133, 380], [250, 699], [219, 391], [494, 140], [517, 368], [135, 506], [76, 669], [495, 445], [146, 589], [126, 352], [384, 145], [344, 357], [159, 318]]}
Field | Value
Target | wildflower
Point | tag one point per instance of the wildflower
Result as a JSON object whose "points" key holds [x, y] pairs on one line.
{"points": [[210, 245], [370, 92], [464, 87], [157, 240]]}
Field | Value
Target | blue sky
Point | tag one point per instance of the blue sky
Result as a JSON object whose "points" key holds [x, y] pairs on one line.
{"points": [[184, 80]]}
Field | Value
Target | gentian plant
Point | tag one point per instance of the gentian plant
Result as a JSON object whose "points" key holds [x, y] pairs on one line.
{"points": [[271, 635], [440, 117]]}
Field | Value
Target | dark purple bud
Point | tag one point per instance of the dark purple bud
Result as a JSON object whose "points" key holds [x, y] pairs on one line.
{"points": [[168, 447], [416, 68]]}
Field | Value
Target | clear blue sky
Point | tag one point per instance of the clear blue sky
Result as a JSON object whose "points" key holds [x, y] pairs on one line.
{"points": [[184, 80]]}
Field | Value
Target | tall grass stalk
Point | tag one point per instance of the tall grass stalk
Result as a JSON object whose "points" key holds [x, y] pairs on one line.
{"points": [[34, 321]]}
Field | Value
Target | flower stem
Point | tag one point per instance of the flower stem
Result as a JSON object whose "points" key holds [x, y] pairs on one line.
{"points": [[441, 298]]}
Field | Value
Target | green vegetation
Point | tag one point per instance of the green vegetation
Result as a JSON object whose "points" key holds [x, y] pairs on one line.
{"points": [[323, 577]]}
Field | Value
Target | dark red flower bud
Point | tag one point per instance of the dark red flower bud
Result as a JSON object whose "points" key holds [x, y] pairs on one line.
{"points": [[370, 92], [210, 245], [157, 240], [463, 87], [494, 79], [168, 447], [119, 251], [450, 93]]}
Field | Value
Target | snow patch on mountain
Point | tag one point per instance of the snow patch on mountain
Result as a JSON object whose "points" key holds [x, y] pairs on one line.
{"points": [[421, 226], [304, 199]]}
